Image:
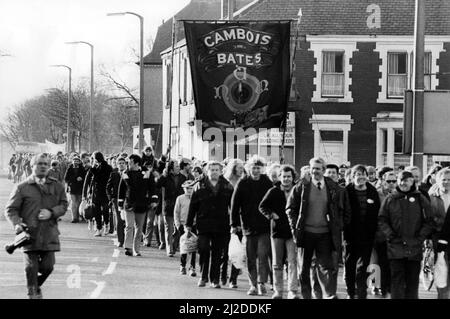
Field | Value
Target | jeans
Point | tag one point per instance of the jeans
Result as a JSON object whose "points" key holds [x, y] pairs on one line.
{"points": [[149, 228], [120, 227], [210, 247], [258, 250], [405, 278], [101, 213], [76, 201], [357, 259], [279, 246], [160, 232], [383, 263], [224, 259], [38, 262], [321, 246], [133, 223], [169, 229]]}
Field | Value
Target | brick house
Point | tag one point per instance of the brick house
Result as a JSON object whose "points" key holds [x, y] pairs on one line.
{"points": [[353, 62]]}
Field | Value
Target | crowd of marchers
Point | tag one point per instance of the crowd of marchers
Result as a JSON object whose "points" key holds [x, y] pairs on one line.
{"points": [[297, 229]]}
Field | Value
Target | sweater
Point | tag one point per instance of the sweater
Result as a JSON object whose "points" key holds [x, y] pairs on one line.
{"points": [[245, 205], [316, 220]]}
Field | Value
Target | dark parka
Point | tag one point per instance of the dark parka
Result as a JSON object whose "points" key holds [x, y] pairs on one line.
{"points": [[210, 210], [95, 182], [112, 186], [245, 205], [406, 221], [136, 189], [275, 202], [358, 232], [72, 174], [338, 210], [170, 191], [24, 205]]}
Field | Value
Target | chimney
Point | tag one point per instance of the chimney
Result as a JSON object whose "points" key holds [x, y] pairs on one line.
{"points": [[227, 9]]}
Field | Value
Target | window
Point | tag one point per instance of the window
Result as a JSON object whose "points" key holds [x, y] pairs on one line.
{"points": [[398, 141], [427, 71], [333, 74], [397, 74]]}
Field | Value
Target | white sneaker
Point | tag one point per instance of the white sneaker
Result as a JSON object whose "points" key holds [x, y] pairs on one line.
{"points": [[105, 230], [98, 233]]}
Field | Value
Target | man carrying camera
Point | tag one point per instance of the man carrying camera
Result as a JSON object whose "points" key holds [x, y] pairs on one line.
{"points": [[38, 202]]}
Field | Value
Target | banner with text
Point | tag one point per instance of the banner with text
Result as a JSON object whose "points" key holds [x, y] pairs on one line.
{"points": [[240, 72]]}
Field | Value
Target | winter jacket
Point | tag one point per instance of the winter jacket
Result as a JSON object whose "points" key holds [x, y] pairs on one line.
{"points": [[56, 174], [210, 210], [406, 221], [275, 202], [439, 212], [112, 186], [245, 205], [136, 189], [362, 229], [71, 179], [170, 191], [95, 182], [24, 205], [339, 212]]}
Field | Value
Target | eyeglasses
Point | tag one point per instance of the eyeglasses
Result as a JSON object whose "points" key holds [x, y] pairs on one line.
{"points": [[391, 182], [42, 163], [54, 164]]}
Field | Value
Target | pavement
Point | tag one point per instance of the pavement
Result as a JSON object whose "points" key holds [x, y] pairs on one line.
{"points": [[90, 267]]}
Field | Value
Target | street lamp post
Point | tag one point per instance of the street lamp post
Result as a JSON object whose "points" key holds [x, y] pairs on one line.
{"points": [[68, 102], [141, 69], [91, 114]]}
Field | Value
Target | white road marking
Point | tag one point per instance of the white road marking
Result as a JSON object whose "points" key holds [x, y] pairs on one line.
{"points": [[111, 268], [116, 253], [98, 290]]}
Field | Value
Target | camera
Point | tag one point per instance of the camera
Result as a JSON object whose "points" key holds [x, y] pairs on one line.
{"points": [[23, 238]]}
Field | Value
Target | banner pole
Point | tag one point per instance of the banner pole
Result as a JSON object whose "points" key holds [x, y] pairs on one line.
{"points": [[169, 97], [289, 86]]}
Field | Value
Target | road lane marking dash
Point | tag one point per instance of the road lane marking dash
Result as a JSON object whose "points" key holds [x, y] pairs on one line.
{"points": [[116, 253], [98, 290], [111, 268]]}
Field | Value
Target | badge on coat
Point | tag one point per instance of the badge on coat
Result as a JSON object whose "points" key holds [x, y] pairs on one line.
{"points": [[412, 199], [370, 201]]}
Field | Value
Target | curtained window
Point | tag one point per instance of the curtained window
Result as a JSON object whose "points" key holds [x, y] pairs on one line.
{"points": [[333, 74], [397, 74]]}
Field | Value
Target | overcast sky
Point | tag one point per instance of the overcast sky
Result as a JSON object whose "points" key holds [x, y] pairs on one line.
{"points": [[34, 32]]}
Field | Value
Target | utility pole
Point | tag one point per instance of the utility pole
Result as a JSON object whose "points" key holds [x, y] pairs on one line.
{"points": [[418, 103]]}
